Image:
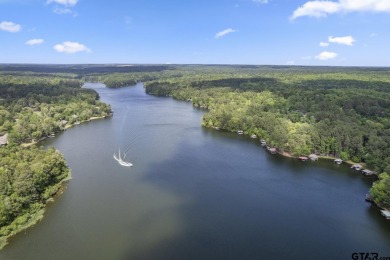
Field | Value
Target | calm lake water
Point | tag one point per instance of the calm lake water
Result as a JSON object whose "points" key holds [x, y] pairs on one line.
{"points": [[195, 193]]}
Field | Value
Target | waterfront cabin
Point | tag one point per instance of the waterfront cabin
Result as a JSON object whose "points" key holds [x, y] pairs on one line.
{"points": [[313, 157], [357, 167], [386, 213], [217, 128], [4, 140], [338, 161], [272, 150], [63, 122], [303, 158], [262, 142], [253, 136], [367, 172], [240, 132]]}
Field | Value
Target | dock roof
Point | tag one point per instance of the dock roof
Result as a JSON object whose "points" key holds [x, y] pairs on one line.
{"points": [[386, 213]]}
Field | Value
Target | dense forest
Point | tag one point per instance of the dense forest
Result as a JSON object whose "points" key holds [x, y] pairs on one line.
{"points": [[330, 111], [34, 106]]}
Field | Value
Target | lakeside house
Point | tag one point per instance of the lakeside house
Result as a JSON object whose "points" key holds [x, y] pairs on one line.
{"points": [[4, 140], [338, 161], [262, 142], [303, 158], [63, 123], [313, 157], [240, 132], [357, 167], [368, 172], [271, 150], [253, 136]]}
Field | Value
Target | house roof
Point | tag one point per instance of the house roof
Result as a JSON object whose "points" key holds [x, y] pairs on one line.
{"points": [[4, 139]]}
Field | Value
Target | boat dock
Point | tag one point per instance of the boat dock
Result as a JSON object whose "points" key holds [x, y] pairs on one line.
{"points": [[385, 213]]}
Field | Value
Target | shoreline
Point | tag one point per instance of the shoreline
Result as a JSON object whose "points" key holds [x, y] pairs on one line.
{"points": [[285, 154], [327, 157], [65, 128], [30, 219]]}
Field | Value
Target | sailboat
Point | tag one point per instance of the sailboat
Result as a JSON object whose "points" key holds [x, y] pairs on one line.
{"points": [[121, 161]]}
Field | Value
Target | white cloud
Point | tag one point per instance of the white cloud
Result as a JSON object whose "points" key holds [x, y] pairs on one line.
{"points": [[63, 6], [224, 32], [324, 44], [34, 42], [326, 55], [10, 26], [346, 40], [63, 2], [316, 9], [290, 62], [373, 34], [260, 1], [319, 8], [71, 47]]}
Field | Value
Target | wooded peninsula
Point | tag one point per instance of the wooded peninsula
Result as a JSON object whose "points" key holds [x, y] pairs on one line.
{"points": [[34, 106], [342, 112]]}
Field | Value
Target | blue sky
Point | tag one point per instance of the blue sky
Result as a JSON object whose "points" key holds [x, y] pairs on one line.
{"points": [[265, 32]]}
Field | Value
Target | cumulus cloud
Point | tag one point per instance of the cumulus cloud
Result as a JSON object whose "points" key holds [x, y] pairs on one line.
{"points": [[346, 40], [10, 26], [71, 47], [324, 44], [224, 32], [326, 55], [324, 8], [63, 2], [34, 42]]}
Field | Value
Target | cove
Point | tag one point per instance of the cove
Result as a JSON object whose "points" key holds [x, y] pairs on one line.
{"points": [[194, 193]]}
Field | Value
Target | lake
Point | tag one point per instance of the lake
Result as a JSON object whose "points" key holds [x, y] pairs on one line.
{"points": [[195, 193]]}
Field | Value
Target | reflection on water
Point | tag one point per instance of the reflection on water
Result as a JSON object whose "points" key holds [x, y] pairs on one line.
{"points": [[195, 193]]}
